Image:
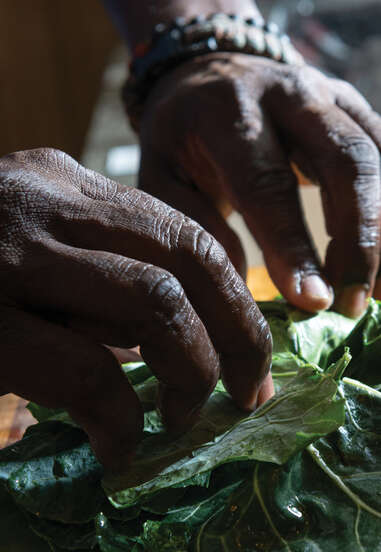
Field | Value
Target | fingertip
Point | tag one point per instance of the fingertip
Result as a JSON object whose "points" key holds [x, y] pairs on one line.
{"points": [[114, 423], [243, 393], [352, 300], [114, 457], [180, 411], [317, 294], [267, 390], [253, 398], [310, 292]]}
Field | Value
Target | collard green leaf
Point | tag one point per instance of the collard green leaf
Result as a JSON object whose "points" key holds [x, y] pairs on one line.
{"points": [[276, 481], [136, 372], [326, 498], [302, 411], [164, 537], [115, 539], [285, 367], [80, 537], [318, 334], [159, 451], [365, 344], [52, 472], [42, 413], [311, 337], [15, 534]]}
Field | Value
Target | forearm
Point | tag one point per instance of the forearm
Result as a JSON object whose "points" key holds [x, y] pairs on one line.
{"points": [[136, 18]]}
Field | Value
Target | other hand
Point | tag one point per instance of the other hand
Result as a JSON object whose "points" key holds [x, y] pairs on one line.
{"points": [[222, 130]]}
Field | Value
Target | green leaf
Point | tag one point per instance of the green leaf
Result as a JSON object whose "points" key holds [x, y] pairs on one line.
{"points": [[136, 372], [15, 534], [163, 537], [115, 539], [301, 412], [285, 367], [310, 337], [279, 480], [62, 535], [52, 472], [365, 344], [327, 497], [42, 413]]}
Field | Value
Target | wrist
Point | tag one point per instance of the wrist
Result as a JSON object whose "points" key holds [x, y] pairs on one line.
{"points": [[136, 20], [174, 43]]}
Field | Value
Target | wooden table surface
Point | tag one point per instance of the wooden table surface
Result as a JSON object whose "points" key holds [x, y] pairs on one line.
{"points": [[15, 418]]}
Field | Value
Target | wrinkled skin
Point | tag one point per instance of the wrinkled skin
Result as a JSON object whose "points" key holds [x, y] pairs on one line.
{"points": [[221, 131], [86, 262]]}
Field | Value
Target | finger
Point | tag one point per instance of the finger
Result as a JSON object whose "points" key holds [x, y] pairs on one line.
{"points": [[65, 369], [126, 355], [136, 225], [233, 147], [237, 328], [267, 390], [263, 188], [356, 106], [347, 163], [123, 303], [180, 192]]}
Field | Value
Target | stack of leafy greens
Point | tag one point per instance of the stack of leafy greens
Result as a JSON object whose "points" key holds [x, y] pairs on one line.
{"points": [[303, 473]]}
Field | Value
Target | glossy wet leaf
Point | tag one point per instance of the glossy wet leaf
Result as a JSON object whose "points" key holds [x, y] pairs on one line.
{"points": [[302, 411], [326, 498], [322, 496]]}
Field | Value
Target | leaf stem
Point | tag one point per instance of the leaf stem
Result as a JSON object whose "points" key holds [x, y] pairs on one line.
{"points": [[316, 456]]}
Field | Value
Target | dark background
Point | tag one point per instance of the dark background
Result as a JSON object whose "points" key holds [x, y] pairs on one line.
{"points": [[53, 55]]}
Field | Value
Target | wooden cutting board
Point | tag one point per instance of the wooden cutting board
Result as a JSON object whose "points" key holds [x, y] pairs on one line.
{"points": [[15, 418]]}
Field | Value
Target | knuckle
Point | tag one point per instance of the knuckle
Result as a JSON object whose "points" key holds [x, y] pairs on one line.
{"points": [[265, 341], [211, 255], [358, 156], [300, 87], [271, 182], [199, 249], [162, 290], [360, 150]]}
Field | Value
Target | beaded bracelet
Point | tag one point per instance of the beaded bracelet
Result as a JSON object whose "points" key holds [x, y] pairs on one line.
{"points": [[181, 40]]}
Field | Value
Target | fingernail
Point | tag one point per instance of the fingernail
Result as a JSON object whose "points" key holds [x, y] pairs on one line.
{"points": [[352, 300], [318, 291]]}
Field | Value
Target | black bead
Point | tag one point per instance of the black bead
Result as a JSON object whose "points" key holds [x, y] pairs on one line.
{"points": [[159, 28], [271, 28], [196, 19], [232, 16], [175, 34], [179, 22], [250, 21]]}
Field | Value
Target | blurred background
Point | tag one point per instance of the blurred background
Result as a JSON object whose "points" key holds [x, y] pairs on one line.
{"points": [[63, 65]]}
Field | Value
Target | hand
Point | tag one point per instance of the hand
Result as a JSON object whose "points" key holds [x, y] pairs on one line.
{"points": [[85, 262], [220, 131]]}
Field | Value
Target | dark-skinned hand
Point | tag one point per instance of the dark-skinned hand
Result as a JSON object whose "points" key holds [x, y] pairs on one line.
{"points": [[222, 131], [85, 262]]}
